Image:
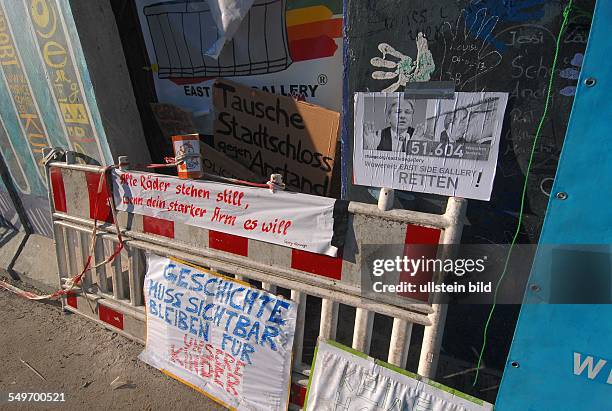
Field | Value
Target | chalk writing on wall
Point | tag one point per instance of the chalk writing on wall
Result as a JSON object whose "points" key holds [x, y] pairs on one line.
{"points": [[481, 45]]}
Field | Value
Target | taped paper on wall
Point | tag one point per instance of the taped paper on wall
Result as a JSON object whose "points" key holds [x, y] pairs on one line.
{"points": [[438, 146], [299, 221], [345, 379], [222, 337], [228, 15]]}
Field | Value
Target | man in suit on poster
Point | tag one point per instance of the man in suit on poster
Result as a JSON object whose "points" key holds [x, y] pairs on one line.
{"points": [[395, 137], [455, 126]]}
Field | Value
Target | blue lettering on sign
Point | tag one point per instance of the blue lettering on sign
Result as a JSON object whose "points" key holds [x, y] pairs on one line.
{"points": [[169, 273], [275, 315], [249, 319]]}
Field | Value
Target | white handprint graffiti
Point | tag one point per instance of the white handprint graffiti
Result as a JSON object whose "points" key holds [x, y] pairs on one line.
{"points": [[467, 50], [406, 69]]}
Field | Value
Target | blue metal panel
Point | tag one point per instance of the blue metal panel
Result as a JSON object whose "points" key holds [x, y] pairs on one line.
{"points": [[555, 345]]}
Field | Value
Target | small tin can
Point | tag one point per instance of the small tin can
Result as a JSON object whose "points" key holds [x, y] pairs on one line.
{"points": [[184, 145]]}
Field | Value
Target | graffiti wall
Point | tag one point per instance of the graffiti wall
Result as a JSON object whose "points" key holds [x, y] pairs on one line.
{"points": [[46, 99], [481, 45]]}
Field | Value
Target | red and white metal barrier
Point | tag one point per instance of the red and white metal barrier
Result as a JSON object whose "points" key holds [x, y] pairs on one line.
{"points": [[112, 294]]}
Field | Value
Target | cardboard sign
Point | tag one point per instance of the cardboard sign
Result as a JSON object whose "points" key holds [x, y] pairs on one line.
{"points": [[346, 379], [213, 162], [275, 134], [287, 47], [293, 220], [439, 146], [224, 338], [173, 120]]}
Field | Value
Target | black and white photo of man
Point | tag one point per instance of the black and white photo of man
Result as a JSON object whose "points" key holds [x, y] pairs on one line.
{"points": [[455, 126], [469, 123], [401, 128]]}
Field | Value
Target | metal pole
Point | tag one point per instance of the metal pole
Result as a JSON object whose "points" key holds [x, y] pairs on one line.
{"points": [[400, 342], [385, 199], [362, 333], [329, 319]]}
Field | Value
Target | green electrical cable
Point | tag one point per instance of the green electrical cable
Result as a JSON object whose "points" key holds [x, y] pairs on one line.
{"points": [[566, 12]]}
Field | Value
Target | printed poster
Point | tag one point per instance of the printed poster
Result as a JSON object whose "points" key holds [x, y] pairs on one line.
{"points": [[226, 339], [288, 47], [294, 220], [344, 379], [439, 146]]}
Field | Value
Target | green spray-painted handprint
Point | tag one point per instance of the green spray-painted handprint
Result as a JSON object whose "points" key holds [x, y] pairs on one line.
{"points": [[406, 69]]}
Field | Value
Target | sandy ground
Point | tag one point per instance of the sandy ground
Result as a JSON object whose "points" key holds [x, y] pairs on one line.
{"points": [[80, 359]]}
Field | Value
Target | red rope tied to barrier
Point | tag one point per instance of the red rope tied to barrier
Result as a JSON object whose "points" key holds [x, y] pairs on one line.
{"points": [[76, 280], [275, 183], [175, 161]]}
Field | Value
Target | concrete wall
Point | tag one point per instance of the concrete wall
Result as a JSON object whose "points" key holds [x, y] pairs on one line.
{"points": [[63, 83]]}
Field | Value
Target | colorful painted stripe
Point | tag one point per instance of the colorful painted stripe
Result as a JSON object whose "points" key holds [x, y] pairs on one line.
{"points": [[308, 15], [313, 48], [329, 28]]}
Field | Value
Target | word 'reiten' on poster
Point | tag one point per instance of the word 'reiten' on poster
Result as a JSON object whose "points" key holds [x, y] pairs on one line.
{"points": [[438, 146], [272, 134]]}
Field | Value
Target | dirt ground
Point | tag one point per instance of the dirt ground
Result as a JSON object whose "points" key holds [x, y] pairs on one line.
{"points": [[80, 359]]}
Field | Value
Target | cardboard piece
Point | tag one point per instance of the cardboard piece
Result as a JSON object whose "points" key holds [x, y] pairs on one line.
{"points": [[173, 120], [270, 134], [214, 162]]}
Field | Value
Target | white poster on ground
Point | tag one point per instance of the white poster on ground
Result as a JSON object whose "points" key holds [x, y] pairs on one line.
{"points": [[343, 379], [222, 337], [288, 47], [300, 221], [439, 146]]}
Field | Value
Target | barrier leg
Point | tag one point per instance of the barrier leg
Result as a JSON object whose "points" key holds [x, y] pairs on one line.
{"points": [[362, 334], [298, 338], [135, 277], [329, 319], [432, 337], [400, 342]]}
